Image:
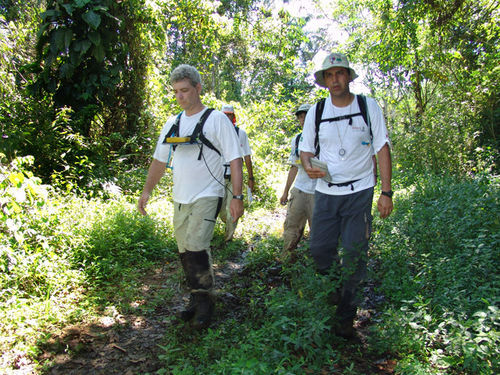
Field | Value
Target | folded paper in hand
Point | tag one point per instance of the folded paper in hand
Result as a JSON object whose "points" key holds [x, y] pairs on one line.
{"points": [[316, 163]]}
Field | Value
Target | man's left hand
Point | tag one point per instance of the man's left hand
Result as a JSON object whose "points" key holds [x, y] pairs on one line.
{"points": [[236, 209], [384, 206]]}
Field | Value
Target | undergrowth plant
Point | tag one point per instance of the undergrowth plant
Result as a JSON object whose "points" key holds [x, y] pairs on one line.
{"points": [[438, 261], [63, 256]]}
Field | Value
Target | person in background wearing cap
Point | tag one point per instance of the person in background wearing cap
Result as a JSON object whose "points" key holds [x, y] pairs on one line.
{"points": [[343, 205], [247, 152], [301, 202]]}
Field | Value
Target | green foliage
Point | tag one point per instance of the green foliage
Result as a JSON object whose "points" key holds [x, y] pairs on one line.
{"points": [[51, 246], [434, 66], [441, 279], [118, 241]]}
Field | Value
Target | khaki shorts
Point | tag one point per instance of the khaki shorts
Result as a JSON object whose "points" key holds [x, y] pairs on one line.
{"points": [[194, 223]]}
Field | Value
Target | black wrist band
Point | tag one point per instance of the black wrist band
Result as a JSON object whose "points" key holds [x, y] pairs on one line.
{"points": [[389, 193], [240, 197]]}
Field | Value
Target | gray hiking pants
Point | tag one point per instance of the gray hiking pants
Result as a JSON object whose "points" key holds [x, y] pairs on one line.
{"points": [[345, 218]]}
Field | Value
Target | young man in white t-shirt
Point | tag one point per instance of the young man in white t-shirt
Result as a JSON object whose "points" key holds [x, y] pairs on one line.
{"points": [[198, 185], [301, 201], [225, 214], [343, 204]]}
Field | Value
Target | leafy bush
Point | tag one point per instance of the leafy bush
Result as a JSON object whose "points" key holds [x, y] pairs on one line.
{"points": [[438, 262]]}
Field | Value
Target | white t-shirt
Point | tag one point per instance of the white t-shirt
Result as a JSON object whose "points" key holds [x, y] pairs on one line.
{"points": [[193, 178], [302, 181], [357, 162], [245, 147]]}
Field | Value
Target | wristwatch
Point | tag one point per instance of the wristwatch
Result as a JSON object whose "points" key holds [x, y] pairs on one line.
{"points": [[240, 197], [389, 193]]}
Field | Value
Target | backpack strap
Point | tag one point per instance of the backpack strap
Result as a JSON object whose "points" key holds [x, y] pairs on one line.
{"points": [[174, 129], [237, 130], [198, 133], [363, 107], [297, 140], [317, 122]]}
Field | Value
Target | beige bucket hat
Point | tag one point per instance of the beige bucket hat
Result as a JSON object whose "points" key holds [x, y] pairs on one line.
{"points": [[333, 60]]}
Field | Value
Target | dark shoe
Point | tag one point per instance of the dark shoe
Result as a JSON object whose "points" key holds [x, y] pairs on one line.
{"points": [[345, 328], [204, 310], [188, 313], [334, 297]]}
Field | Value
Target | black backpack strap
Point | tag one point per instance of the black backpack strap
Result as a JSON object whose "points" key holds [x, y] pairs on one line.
{"points": [[174, 129], [317, 121], [297, 140], [237, 130], [363, 107], [198, 133]]}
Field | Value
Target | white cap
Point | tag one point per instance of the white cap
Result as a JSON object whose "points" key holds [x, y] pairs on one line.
{"points": [[227, 108], [302, 108]]}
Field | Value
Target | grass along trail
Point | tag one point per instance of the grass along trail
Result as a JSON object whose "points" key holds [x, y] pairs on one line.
{"points": [[135, 340]]}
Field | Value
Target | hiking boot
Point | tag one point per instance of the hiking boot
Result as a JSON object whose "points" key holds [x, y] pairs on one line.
{"points": [[204, 310], [189, 311], [345, 329], [334, 297]]}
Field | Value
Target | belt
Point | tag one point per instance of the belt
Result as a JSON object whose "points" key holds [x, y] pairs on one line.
{"points": [[342, 184]]}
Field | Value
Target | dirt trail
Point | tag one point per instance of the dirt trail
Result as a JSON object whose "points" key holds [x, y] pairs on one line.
{"points": [[130, 344]]}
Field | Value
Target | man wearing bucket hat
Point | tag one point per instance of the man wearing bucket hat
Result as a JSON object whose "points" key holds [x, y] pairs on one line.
{"points": [[247, 152], [301, 202], [336, 133]]}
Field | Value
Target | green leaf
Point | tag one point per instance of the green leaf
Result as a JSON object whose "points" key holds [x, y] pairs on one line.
{"points": [[92, 18], [98, 53], [68, 36], [49, 13], [58, 38], [95, 37], [81, 3], [69, 8], [85, 45], [42, 29], [66, 70]]}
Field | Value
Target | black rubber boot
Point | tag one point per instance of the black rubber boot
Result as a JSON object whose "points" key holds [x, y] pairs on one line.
{"points": [[200, 280], [204, 310], [345, 314], [188, 313]]}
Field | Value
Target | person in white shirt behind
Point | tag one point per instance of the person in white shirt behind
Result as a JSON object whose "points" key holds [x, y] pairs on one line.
{"points": [[300, 199], [225, 215], [198, 188]]}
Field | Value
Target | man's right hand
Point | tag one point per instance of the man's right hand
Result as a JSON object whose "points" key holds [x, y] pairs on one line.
{"points": [[284, 199], [142, 202], [314, 172]]}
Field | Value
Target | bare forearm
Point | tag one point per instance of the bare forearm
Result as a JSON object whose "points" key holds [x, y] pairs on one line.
{"points": [[236, 176], [292, 173], [305, 159], [155, 173], [249, 166], [385, 166]]}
